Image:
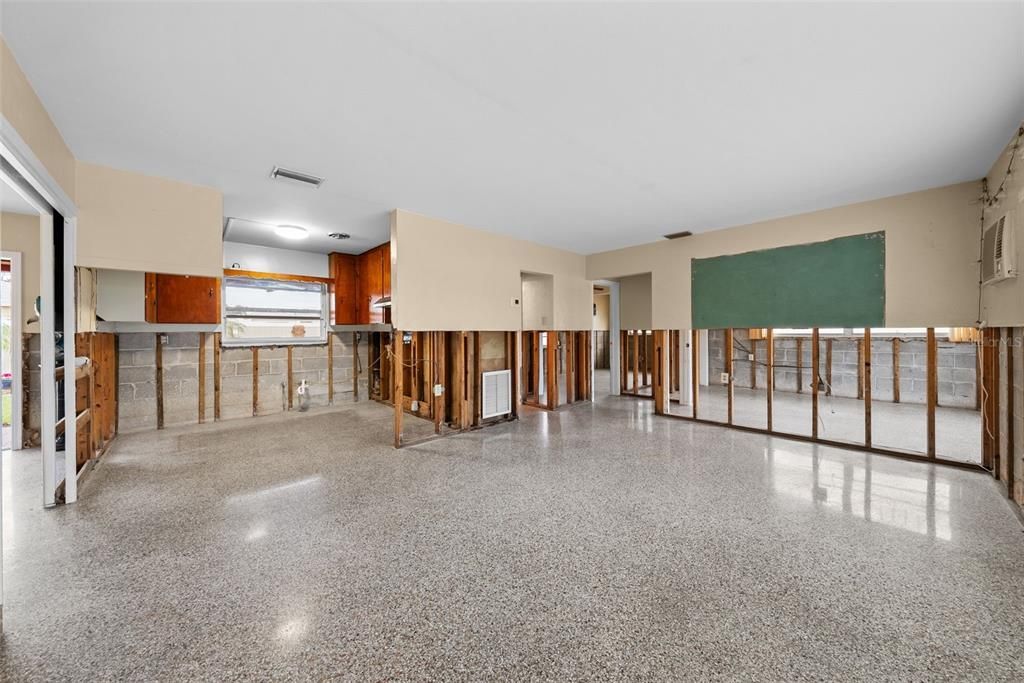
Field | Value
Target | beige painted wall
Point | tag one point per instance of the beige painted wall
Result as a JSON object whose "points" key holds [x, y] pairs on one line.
{"points": [[602, 319], [931, 252], [635, 301], [1003, 302], [21, 233], [128, 221], [450, 277], [538, 301], [25, 113]]}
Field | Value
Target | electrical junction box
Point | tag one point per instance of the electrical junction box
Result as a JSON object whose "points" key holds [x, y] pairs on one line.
{"points": [[438, 389], [750, 357]]}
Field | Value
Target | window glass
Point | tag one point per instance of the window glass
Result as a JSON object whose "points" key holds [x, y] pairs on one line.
{"points": [[265, 311]]}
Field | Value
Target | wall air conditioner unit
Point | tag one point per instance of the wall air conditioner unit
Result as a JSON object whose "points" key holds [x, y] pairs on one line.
{"points": [[998, 251], [496, 394]]}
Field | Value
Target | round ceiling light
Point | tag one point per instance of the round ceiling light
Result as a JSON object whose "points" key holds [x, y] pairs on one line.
{"points": [[339, 235], [291, 232]]}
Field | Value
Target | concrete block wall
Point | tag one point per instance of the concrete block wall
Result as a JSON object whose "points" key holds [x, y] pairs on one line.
{"points": [[180, 353], [957, 368]]}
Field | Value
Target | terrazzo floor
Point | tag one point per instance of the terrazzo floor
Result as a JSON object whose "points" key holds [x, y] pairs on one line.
{"points": [[596, 542]]}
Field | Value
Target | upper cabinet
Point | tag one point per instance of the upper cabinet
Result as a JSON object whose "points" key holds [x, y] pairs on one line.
{"points": [[182, 299], [360, 283]]}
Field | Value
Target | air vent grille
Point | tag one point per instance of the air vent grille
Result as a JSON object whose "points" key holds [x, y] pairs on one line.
{"points": [[307, 179], [496, 394], [677, 235]]}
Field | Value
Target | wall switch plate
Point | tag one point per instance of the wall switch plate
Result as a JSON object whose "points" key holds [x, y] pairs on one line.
{"points": [[750, 357], [725, 378]]}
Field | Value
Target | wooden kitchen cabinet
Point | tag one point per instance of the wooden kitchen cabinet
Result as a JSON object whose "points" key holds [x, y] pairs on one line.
{"points": [[182, 299], [344, 273]]}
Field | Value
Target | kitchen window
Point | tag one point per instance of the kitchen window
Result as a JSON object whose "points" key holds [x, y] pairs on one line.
{"points": [[263, 312]]}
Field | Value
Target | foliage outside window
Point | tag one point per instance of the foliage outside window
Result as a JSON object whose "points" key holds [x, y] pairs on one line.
{"points": [[280, 312]]}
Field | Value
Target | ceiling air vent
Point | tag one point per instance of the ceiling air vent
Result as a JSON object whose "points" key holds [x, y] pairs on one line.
{"points": [[677, 235], [296, 177]]}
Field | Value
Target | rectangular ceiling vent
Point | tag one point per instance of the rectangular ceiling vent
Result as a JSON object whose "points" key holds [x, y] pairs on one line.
{"points": [[998, 251], [496, 393], [296, 177], [677, 235]]}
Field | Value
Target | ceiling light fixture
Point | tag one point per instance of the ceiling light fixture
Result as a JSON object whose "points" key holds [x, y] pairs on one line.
{"points": [[291, 232], [339, 235]]}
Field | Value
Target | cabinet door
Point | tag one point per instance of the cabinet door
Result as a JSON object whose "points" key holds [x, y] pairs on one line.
{"points": [[187, 299], [346, 294], [385, 250], [373, 281]]}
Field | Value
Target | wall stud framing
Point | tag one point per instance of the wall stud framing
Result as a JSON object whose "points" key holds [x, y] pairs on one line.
{"points": [[397, 391], [828, 367], [769, 342], [202, 377], [933, 387], [695, 370], [730, 394], [866, 344], [159, 356], [216, 376], [552, 370], [895, 370], [255, 381], [636, 362], [570, 367], [799, 365], [860, 369], [1010, 421], [330, 368], [753, 364], [815, 380], [291, 379]]}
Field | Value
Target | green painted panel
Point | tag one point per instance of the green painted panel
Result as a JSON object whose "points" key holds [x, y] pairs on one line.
{"points": [[837, 283]]}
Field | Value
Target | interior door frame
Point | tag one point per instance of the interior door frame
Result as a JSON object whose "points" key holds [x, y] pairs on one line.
{"points": [[17, 407]]}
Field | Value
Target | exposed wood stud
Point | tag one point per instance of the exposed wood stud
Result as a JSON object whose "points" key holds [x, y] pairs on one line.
{"points": [[1010, 418], [330, 367], [255, 381], [355, 366], [397, 391], [729, 386], [753, 364], [216, 376], [660, 386], [695, 370], [477, 397], [623, 361], [815, 380], [867, 386], [895, 370], [860, 369], [636, 361], [769, 345], [202, 377], [159, 353], [799, 365], [552, 370], [514, 361], [291, 379], [828, 367], [933, 387]]}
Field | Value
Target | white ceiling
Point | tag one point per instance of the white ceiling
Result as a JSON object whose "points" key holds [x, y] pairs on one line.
{"points": [[582, 126]]}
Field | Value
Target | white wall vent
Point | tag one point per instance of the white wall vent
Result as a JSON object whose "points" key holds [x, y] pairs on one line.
{"points": [[998, 251], [496, 393]]}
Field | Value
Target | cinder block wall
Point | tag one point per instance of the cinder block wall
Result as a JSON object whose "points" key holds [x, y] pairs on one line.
{"points": [[957, 367], [137, 391]]}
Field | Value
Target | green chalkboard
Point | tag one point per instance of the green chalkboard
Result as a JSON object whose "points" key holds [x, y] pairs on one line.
{"points": [[836, 283]]}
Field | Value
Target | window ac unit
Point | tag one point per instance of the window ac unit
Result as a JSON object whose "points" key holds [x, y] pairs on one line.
{"points": [[998, 252]]}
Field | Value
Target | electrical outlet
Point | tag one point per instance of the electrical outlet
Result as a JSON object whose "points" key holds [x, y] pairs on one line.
{"points": [[438, 389], [750, 357], [163, 338], [415, 406], [725, 378]]}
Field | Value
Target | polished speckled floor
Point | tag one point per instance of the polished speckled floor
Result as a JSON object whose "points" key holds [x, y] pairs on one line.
{"points": [[598, 542]]}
